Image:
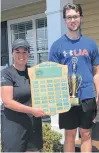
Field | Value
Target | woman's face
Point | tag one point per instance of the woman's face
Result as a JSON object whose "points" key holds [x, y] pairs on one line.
{"points": [[20, 56]]}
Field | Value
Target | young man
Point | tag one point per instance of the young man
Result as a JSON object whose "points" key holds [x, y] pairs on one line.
{"points": [[82, 57]]}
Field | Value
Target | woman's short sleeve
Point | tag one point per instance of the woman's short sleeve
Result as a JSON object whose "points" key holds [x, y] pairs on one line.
{"points": [[6, 78]]}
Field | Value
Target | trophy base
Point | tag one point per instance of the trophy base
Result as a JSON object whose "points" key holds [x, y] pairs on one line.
{"points": [[74, 101]]}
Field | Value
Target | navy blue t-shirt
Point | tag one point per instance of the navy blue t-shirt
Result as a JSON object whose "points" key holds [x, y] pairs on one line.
{"points": [[86, 52]]}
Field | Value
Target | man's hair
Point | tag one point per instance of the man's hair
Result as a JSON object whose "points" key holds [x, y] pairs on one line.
{"points": [[75, 7]]}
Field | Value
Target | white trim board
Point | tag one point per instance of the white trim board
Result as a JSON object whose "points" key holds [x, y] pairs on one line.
{"points": [[28, 18]]}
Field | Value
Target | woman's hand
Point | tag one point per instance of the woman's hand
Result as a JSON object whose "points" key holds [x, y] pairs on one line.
{"points": [[37, 112]]}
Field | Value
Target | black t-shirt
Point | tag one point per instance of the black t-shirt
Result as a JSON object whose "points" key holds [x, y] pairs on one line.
{"points": [[20, 82], [22, 94]]}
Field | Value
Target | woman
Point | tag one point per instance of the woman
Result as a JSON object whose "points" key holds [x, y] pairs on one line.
{"points": [[21, 128]]}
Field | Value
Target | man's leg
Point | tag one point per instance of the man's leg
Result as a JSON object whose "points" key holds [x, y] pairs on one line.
{"points": [[70, 121], [69, 144], [86, 142], [86, 121]]}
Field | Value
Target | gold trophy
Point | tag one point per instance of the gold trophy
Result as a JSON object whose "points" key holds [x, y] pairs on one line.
{"points": [[74, 83]]}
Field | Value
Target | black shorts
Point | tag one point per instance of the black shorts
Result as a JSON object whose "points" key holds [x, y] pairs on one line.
{"points": [[79, 116], [20, 133]]}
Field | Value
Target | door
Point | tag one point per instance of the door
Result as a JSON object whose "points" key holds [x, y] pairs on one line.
{"points": [[4, 44]]}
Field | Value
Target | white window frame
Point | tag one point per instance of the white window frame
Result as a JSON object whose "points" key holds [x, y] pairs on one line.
{"points": [[24, 19]]}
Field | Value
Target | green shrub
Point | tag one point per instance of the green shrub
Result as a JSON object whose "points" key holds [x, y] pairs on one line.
{"points": [[51, 139]]}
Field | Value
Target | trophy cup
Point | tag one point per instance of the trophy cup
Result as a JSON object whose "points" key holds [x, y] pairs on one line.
{"points": [[74, 83]]}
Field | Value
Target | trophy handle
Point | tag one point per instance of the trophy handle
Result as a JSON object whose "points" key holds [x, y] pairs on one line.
{"points": [[69, 84], [79, 84]]}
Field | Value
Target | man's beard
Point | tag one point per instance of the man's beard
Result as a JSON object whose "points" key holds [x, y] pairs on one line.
{"points": [[74, 30]]}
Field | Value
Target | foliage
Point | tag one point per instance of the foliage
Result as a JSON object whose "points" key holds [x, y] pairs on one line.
{"points": [[51, 139]]}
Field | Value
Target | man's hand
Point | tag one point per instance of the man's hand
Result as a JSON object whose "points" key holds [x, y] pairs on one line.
{"points": [[96, 82], [97, 99]]}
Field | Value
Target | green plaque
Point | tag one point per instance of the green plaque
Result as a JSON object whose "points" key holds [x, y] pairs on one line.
{"points": [[49, 87]]}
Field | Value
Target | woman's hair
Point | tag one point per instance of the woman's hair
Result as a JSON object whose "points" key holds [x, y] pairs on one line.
{"points": [[75, 7]]}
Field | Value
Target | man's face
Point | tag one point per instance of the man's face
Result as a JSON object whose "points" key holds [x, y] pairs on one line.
{"points": [[73, 20]]}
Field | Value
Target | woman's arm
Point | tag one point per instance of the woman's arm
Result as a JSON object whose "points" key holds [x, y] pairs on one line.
{"points": [[7, 98]]}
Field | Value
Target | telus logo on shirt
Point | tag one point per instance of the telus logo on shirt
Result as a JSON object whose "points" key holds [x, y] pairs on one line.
{"points": [[80, 52]]}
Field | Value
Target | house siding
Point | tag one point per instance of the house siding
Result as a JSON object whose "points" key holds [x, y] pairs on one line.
{"points": [[27, 10], [90, 25]]}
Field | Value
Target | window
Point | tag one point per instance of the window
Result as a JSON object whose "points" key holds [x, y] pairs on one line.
{"points": [[42, 42], [35, 32]]}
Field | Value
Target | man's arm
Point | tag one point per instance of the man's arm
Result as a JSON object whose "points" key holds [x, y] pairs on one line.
{"points": [[96, 82]]}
